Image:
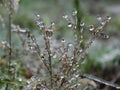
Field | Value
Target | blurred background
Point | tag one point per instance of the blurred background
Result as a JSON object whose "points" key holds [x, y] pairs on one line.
{"points": [[103, 59]]}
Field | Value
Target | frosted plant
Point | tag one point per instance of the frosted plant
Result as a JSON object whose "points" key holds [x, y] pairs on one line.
{"points": [[60, 68]]}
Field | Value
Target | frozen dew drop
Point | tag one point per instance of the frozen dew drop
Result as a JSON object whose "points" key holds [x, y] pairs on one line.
{"points": [[42, 26], [22, 31], [20, 79], [99, 18], [28, 87], [70, 64], [54, 56], [62, 77], [38, 15], [91, 28], [39, 80], [76, 76], [38, 23], [118, 87], [31, 47], [107, 36], [78, 66], [74, 69], [72, 58], [28, 82], [52, 23], [70, 24], [63, 40], [75, 27], [103, 23], [70, 45], [82, 23], [51, 54], [65, 16], [74, 13], [42, 56], [108, 18], [4, 44], [80, 50]]}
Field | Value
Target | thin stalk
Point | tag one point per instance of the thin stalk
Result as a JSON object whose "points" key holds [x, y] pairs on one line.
{"points": [[79, 15], [9, 39], [77, 6], [9, 31], [38, 51], [50, 63], [47, 43]]}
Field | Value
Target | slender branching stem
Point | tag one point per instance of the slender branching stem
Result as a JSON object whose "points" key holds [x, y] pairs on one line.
{"points": [[79, 15], [50, 63], [47, 44], [39, 52]]}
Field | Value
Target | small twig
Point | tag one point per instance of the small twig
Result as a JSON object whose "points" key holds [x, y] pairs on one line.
{"points": [[113, 81], [101, 81]]}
